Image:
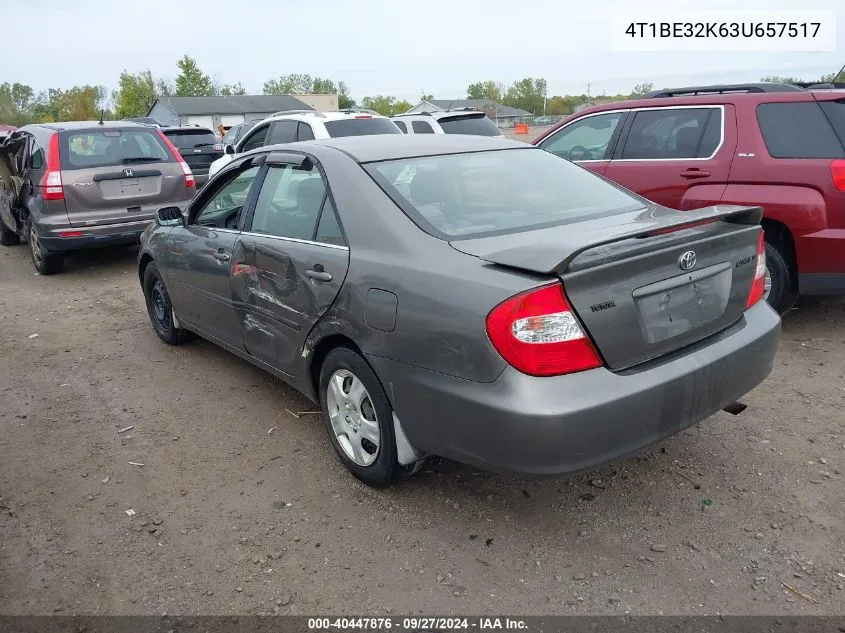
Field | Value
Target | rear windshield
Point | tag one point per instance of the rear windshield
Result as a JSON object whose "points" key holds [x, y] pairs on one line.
{"points": [[191, 139], [103, 148], [494, 192], [469, 124], [360, 127], [802, 130]]}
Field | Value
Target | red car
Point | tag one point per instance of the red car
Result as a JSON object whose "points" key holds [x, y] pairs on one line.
{"points": [[779, 146]]}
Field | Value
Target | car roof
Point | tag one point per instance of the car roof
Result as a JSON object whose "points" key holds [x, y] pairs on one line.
{"points": [[377, 147], [81, 125], [321, 116], [186, 128], [443, 114]]}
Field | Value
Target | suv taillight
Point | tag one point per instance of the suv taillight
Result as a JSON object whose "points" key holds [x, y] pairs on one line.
{"points": [[837, 172], [51, 181], [538, 333], [758, 286], [190, 181]]}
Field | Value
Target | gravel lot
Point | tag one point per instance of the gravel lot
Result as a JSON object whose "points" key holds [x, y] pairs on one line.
{"points": [[241, 507]]}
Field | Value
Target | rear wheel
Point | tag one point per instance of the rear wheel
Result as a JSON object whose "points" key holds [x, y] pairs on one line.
{"points": [[45, 262], [160, 308], [780, 280], [359, 419]]}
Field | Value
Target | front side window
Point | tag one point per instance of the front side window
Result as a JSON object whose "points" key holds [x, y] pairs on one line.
{"points": [[255, 140], [586, 139], [289, 203], [673, 133], [494, 192], [223, 207]]}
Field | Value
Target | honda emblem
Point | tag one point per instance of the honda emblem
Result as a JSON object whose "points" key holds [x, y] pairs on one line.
{"points": [[127, 173], [687, 260]]}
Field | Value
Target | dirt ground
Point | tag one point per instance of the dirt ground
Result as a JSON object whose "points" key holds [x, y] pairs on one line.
{"points": [[242, 508]]}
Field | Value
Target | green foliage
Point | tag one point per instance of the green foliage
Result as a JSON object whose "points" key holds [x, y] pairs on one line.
{"points": [[493, 90], [387, 106], [640, 90], [191, 81], [293, 84], [135, 94], [227, 90], [16, 101]]}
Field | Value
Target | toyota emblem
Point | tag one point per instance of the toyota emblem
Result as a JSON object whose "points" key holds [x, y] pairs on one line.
{"points": [[687, 260], [127, 173]]}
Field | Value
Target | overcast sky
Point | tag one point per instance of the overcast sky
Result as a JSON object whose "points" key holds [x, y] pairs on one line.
{"points": [[398, 47]]}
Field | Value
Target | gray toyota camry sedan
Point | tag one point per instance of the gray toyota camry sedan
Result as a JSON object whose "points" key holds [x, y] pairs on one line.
{"points": [[468, 297]]}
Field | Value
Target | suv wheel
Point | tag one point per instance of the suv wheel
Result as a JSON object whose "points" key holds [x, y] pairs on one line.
{"points": [[45, 262], [780, 280]]}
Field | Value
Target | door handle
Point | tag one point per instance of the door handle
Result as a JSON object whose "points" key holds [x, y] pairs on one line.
{"points": [[694, 172], [318, 274], [222, 256]]}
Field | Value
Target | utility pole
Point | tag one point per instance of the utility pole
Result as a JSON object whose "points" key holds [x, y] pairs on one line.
{"points": [[588, 90]]}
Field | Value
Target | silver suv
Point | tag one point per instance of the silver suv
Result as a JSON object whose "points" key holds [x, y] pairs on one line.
{"points": [[464, 121], [78, 185]]}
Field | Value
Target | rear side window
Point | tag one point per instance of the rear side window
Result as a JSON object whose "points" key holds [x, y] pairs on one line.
{"points": [[469, 124], [105, 148], [283, 132], [360, 127], [401, 126], [674, 133], [191, 139], [799, 130], [256, 140], [421, 127], [305, 133]]}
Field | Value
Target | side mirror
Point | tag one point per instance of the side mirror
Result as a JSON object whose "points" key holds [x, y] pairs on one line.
{"points": [[230, 150], [169, 216]]}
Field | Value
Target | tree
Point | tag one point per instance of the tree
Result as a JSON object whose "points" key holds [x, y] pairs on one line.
{"points": [[386, 106], [227, 90], [641, 90], [527, 94], [834, 77], [293, 84], [16, 101], [776, 79], [425, 97], [135, 94], [343, 99], [492, 90], [191, 81]]}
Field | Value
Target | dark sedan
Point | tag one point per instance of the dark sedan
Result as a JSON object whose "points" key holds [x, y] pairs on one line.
{"points": [[469, 297]]}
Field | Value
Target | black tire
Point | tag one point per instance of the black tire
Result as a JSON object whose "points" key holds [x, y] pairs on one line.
{"points": [[45, 262], [385, 469], [782, 295], [7, 236], [160, 309]]}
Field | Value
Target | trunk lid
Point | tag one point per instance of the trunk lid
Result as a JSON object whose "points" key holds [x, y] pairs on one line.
{"points": [[646, 283]]}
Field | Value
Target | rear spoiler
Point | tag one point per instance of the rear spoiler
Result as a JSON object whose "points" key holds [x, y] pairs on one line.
{"points": [[552, 250]]}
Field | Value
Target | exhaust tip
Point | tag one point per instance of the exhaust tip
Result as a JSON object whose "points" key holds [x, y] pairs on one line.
{"points": [[735, 408]]}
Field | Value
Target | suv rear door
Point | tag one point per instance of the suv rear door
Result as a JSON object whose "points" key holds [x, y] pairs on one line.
{"points": [[114, 175], [197, 146], [677, 156]]}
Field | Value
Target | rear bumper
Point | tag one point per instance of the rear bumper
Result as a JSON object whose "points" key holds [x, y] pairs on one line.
{"points": [[93, 236], [568, 424]]}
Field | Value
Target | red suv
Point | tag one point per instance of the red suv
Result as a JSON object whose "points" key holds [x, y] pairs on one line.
{"points": [[779, 146]]}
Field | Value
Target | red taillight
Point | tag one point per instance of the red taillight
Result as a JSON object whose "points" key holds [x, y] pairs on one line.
{"points": [[51, 182], [71, 234], [363, 116], [190, 182], [758, 286], [538, 333], [837, 172], [217, 147]]}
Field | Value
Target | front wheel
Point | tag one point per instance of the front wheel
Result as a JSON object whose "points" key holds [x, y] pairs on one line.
{"points": [[359, 419]]}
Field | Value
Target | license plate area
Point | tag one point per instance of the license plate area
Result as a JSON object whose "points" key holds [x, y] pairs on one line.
{"points": [[675, 306], [130, 186]]}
